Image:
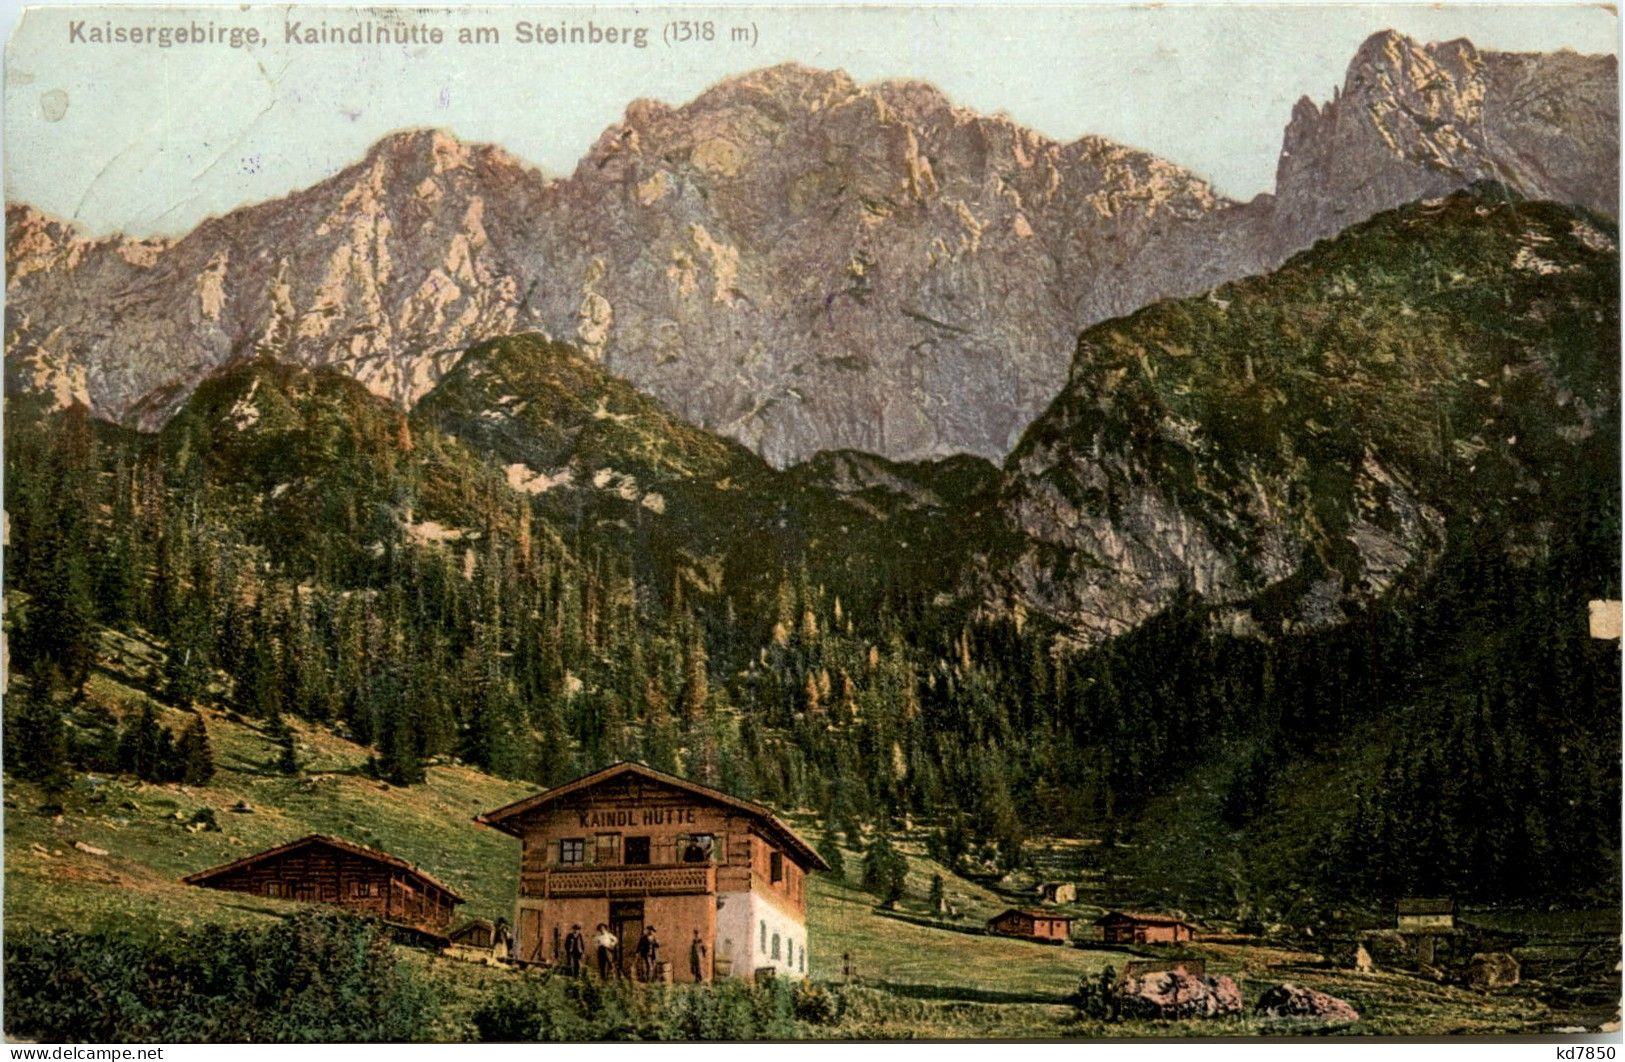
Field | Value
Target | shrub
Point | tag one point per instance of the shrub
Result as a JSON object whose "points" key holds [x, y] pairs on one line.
{"points": [[318, 977], [557, 1009], [816, 1005]]}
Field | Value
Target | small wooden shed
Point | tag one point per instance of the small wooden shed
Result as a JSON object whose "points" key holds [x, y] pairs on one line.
{"points": [[1425, 915], [476, 933], [1046, 926], [323, 869], [1133, 927]]}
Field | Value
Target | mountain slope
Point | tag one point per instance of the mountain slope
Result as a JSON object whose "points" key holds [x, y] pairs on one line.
{"points": [[1312, 434], [792, 260]]}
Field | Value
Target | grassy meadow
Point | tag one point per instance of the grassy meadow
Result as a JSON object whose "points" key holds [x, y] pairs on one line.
{"points": [[905, 973]]}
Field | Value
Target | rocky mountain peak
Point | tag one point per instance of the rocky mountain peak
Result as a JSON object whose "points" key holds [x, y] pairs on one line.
{"points": [[792, 259], [1412, 121]]}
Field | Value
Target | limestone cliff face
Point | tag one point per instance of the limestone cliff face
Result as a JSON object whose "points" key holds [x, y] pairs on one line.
{"points": [[803, 263], [388, 271], [1414, 121], [792, 259], [1295, 445]]}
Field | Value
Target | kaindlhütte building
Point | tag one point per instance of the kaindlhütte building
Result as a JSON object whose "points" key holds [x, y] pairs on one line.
{"points": [[631, 848]]}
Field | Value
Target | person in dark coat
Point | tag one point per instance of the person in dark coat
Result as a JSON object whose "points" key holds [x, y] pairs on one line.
{"points": [[575, 951], [696, 958], [648, 954]]}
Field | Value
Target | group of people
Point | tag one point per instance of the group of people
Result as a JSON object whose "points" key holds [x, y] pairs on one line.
{"points": [[647, 954]]}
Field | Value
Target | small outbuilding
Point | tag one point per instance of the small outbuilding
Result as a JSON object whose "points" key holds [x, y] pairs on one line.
{"points": [[1418, 915], [1132, 927], [1058, 892], [477, 933], [1045, 926], [323, 869]]}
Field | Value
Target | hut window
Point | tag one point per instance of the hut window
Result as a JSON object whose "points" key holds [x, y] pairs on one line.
{"points": [[764, 937], [637, 850], [698, 848], [776, 866], [607, 849], [572, 851], [775, 954], [273, 888], [801, 959]]}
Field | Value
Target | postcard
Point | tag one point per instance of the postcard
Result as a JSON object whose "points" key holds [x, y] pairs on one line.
{"points": [[811, 523]]}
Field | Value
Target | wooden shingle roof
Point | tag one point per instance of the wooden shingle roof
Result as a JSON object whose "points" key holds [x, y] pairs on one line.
{"points": [[503, 818], [1026, 912], [1142, 917], [375, 855]]}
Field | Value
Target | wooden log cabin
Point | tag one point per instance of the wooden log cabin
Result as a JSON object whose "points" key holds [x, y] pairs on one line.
{"points": [[630, 847], [322, 869], [1132, 927], [1045, 926]]}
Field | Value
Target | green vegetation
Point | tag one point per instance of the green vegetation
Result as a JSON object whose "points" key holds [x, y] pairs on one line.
{"points": [[315, 978], [374, 624], [588, 1009]]}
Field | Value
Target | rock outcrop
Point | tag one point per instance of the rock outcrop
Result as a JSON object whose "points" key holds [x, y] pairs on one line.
{"points": [[1296, 1001], [1276, 445], [792, 259], [1175, 994]]}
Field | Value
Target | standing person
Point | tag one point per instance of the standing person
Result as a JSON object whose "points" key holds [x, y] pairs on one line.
{"points": [[575, 951], [697, 957], [606, 942], [648, 954], [501, 941]]}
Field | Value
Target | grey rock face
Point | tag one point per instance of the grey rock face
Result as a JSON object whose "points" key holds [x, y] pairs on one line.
{"points": [[792, 259]]}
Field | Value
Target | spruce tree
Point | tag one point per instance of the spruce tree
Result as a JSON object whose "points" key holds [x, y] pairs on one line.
{"points": [[885, 871], [36, 747], [287, 759], [829, 846], [197, 759]]}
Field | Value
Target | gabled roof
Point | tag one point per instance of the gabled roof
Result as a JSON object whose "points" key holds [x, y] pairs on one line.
{"points": [[1138, 916], [500, 818], [1048, 916], [203, 877], [1422, 905], [471, 924]]}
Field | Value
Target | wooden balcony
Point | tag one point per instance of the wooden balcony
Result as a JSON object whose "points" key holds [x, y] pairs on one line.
{"points": [[678, 880]]}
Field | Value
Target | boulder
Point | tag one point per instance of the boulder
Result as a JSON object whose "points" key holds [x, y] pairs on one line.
{"points": [[89, 849], [1177, 994], [1296, 1001], [242, 807], [1492, 969]]}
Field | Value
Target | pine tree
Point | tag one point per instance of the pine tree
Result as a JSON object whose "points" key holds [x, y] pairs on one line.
{"points": [[36, 747], [829, 846], [287, 759], [186, 667], [197, 759], [140, 750], [885, 871]]}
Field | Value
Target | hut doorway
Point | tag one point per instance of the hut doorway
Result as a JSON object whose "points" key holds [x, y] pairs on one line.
{"points": [[626, 922]]}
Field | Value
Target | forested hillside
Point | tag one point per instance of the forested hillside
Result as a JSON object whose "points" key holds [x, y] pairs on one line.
{"points": [[539, 571]]}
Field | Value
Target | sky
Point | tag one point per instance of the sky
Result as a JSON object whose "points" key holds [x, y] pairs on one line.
{"points": [[149, 140]]}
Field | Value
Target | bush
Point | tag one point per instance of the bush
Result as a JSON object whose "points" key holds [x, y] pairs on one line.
{"points": [[816, 1005], [318, 977], [559, 1009]]}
